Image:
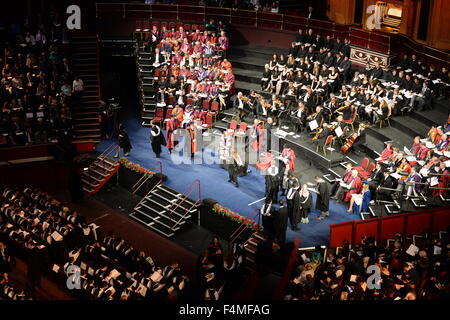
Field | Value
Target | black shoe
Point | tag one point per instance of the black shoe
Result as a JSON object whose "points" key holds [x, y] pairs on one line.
{"points": [[229, 180], [237, 185]]}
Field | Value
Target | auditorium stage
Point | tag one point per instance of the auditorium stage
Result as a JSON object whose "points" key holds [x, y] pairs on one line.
{"points": [[301, 143], [214, 184]]}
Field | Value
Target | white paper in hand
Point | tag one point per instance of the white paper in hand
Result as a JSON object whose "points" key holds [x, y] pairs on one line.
{"points": [[338, 131], [412, 250], [313, 125]]}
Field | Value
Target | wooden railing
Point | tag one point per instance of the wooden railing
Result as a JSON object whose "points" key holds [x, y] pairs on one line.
{"points": [[392, 44]]}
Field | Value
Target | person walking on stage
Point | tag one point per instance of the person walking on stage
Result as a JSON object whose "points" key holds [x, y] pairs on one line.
{"points": [[234, 167], [170, 128], [305, 202], [323, 197], [268, 212], [157, 139], [272, 182], [281, 221], [124, 142], [292, 199]]}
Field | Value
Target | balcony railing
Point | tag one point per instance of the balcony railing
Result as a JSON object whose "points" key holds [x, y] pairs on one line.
{"points": [[391, 44]]}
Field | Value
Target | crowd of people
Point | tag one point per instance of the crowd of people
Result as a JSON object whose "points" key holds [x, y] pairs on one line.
{"points": [[38, 87], [221, 275], [191, 68], [56, 241], [404, 271], [416, 170], [315, 84]]}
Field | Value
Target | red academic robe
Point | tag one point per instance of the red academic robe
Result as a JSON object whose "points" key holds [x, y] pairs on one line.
{"points": [[170, 127], [444, 182], [358, 184], [291, 155], [386, 154], [192, 135]]}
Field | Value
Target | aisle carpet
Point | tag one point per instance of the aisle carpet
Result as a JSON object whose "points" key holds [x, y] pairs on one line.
{"points": [[213, 180]]}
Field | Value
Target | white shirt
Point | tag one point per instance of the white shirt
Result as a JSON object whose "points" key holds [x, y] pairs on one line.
{"points": [[291, 193], [77, 85]]}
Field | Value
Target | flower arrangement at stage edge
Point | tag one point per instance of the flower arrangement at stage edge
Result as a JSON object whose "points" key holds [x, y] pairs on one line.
{"points": [[236, 217], [135, 167]]}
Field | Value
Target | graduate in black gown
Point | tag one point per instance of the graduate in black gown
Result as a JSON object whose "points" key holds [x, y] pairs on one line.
{"points": [[293, 207], [157, 139], [234, 168], [124, 142], [305, 204], [323, 197], [268, 215], [272, 182], [280, 223]]}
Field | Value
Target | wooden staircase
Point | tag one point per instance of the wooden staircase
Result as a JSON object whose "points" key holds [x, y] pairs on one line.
{"points": [[100, 171], [85, 65], [165, 210]]}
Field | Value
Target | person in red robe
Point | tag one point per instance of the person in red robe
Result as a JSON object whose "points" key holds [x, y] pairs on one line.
{"points": [[192, 130], [290, 154], [416, 145], [444, 181], [178, 112], [355, 186], [170, 128], [387, 153]]}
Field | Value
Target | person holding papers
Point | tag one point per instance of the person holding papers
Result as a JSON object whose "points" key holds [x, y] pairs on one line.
{"points": [[352, 186], [411, 183], [443, 176], [346, 177]]}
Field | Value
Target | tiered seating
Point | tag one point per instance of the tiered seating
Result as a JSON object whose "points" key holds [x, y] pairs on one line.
{"points": [[409, 270], [110, 267]]}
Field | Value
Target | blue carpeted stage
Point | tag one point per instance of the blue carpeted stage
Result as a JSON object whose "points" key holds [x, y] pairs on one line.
{"points": [[214, 185]]}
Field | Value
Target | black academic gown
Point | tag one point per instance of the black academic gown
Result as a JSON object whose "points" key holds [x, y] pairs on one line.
{"points": [[293, 206], [281, 221], [323, 197], [157, 139], [305, 206], [268, 221], [124, 141], [272, 185]]}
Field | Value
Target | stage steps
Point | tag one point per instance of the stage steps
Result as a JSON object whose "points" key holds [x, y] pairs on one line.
{"points": [[165, 210], [248, 63], [248, 75], [98, 173], [251, 246], [85, 65], [146, 84], [255, 51]]}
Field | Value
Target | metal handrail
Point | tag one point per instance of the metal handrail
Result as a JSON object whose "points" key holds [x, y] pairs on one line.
{"points": [[145, 178], [242, 227], [183, 199], [140, 182]]}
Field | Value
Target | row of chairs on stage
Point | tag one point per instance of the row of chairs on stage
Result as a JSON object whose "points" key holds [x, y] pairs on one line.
{"points": [[207, 116]]}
